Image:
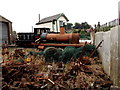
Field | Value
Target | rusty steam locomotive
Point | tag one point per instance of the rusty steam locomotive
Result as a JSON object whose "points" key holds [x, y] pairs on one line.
{"points": [[43, 37]]}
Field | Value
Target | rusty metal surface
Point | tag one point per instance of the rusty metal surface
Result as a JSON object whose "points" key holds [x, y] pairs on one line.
{"points": [[71, 38], [62, 30], [63, 45], [96, 49]]}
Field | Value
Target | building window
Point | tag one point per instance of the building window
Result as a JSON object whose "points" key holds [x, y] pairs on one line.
{"points": [[38, 31], [53, 21], [61, 23]]}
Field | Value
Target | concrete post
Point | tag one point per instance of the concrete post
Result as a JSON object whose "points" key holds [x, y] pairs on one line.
{"points": [[119, 12], [119, 56], [119, 45], [1, 60], [115, 52], [92, 35]]}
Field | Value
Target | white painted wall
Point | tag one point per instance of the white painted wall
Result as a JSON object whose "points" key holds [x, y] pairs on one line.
{"points": [[45, 25], [61, 19], [53, 27]]}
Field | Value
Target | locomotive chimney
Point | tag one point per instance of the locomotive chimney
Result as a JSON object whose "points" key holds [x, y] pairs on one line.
{"points": [[62, 30]]}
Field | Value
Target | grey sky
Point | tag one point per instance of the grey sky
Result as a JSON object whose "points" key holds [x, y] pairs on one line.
{"points": [[24, 13]]}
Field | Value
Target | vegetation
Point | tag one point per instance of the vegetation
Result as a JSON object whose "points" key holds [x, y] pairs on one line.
{"points": [[83, 25], [79, 28], [68, 26], [103, 28]]}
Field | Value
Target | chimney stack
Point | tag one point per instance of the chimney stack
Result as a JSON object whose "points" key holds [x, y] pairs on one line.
{"points": [[62, 30], [39, 17]]}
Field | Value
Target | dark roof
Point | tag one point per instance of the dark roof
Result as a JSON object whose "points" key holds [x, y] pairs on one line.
{"points": [[5, 18], [52, 18]]}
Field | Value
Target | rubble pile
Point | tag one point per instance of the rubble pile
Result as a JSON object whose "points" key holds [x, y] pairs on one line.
{"points": [[34, 73]]}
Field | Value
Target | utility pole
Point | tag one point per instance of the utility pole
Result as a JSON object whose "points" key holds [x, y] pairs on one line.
{"points": [[39, 17]]}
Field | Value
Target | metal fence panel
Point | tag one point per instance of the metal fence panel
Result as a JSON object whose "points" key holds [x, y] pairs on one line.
{"points": [[4, 33]]}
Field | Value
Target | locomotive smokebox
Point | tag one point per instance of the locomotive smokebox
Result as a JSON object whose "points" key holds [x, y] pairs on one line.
{"points": [[72, 38]]}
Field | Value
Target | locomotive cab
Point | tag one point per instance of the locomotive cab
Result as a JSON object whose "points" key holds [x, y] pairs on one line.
{"points": [[39, 31]]}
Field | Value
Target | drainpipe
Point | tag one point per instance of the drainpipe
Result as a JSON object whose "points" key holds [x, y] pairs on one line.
{"points": [[56, 26], [53, 29]]}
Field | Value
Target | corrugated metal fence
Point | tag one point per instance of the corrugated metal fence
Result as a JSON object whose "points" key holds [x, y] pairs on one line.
{"points": [[113, 23]]}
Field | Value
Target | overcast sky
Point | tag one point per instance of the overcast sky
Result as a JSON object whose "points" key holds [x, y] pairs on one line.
{"points": [[24, 13]]}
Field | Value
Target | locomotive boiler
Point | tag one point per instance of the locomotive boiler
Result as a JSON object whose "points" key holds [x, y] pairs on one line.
{"points": [[62, 37]]}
